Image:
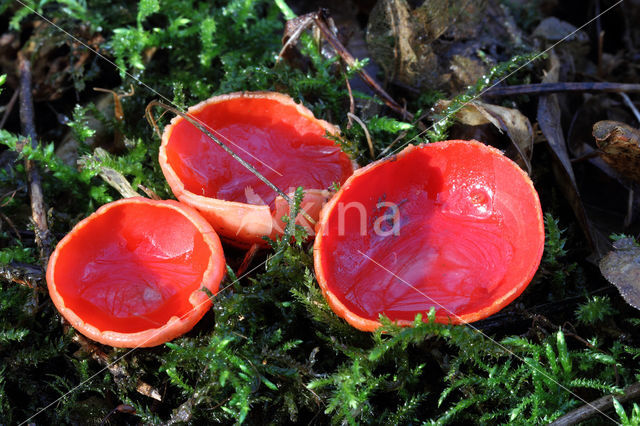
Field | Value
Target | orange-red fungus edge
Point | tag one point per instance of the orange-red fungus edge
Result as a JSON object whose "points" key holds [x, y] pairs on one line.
{"points": [[471, 236], [133, 273], [280, 138]]}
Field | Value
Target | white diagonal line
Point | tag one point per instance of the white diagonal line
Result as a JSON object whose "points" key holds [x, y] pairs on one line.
{"points": [[477, 330]]}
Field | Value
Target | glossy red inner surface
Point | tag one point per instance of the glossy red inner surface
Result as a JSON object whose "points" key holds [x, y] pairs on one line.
{"points": [[132, 268], [287, 148], [461, 243]]}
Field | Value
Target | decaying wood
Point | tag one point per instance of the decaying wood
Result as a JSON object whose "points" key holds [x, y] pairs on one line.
{"points": [[39, 215], [23, 274], [595, 408]]}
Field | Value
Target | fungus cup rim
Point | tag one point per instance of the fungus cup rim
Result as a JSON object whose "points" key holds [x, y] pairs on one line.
{"points": [[366, 324], [208, 205], [175, 326]]}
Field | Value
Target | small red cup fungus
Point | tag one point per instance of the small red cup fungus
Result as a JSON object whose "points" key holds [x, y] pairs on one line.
{"points": [[133, 273], [455, 225], [280, 138]]}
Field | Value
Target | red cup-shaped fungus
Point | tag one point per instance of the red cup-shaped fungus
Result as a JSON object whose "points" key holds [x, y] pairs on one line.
{"points": [[134, 273], [455, 225], [280, 138]]}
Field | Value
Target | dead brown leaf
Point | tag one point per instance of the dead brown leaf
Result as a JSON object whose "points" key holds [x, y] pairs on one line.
{"points": [[620, 147], [549, 116], [621, 267], [507, 120], [111, 176]]}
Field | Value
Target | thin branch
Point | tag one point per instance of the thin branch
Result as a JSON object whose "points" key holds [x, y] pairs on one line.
{"points": [[546, 88], [117, 370], [632, 107], [320, 20], [366, 133], [248, 258], [352, 104], [9, 108], [594, 408], [38, 211]]}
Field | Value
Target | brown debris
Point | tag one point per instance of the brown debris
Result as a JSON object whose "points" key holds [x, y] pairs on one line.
{"points": [[321, 22], [53, 67], [116, 369], [621, 267], [39, 215], [507, 120], [620, 147], [114, 178]]}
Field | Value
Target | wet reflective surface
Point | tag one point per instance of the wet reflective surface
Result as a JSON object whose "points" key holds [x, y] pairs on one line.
{"points": [[132, 268], [288, 149], [461, 240]]}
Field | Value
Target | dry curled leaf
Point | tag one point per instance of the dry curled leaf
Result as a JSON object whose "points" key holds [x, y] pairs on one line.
{"points": [[111, 176], [620, 147], [507, 120], [549, 119], [621, 267]]}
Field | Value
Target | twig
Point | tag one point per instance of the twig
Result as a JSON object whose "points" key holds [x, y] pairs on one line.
{"points": [[401, 136], [600, 50], [632, 107], [319, 18], [600, 33], [545, 88], [595, 407], [38, 212], [9, 108], [366, 133], [12, 194], [11, 225], [352, 104], [121, 408], [320, 21], [248, 258], [118, 371], [150, 192]]}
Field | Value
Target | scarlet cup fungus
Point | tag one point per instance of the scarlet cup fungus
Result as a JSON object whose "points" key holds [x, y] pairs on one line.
{"points": [[280, 138], [134, 273], [455, 225]]}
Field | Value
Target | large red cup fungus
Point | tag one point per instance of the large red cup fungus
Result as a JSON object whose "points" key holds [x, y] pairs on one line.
{"points": [[455, 225], [280, 138], [133, 273]]}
